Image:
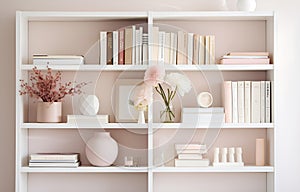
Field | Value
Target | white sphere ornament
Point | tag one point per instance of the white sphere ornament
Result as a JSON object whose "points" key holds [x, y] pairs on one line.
{"points": [[246, 5], [89, 105], [205, 99]]}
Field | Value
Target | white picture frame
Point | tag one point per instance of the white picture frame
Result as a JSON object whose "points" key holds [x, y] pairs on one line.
{"points": [[124, 111]]}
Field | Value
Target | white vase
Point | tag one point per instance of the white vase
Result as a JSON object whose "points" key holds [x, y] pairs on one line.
{"points": [[48, 112], [101, 150], [246, 5], [89, 105], [141, 119]]}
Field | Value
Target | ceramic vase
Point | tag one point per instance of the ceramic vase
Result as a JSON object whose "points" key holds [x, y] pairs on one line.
{"points": [[141, 119], [48, 112], [101, 150], [246, 5], [89, 105]]}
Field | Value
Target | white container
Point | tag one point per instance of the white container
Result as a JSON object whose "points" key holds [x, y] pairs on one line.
{"points": [[246, 5], [89, 105], [48, 112], [101, 150]]}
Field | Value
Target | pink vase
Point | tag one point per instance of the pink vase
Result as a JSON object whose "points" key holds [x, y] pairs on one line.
{"points": [[101, 150], [48, 112]]}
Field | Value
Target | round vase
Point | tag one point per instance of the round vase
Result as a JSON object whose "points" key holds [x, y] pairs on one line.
{"points": [[101, 150], [246, 5], [48, 112], [167, 115], [89, 105]]}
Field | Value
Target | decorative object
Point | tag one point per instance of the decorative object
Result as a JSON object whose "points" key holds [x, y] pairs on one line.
{"points": [[155, 76], [205, 99], [101, 150], [142, 98], [246, 5], [89, 105], [232, 153], [141, 119], [125, 110], [48, 88], [260, 152], [48, 112], [128, 161]]}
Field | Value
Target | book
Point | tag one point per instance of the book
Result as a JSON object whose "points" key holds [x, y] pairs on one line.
{"points": [[190, 146], [181, 47], [161, 46], [207, 49], [133, 47], [203, 110], [191, 162], [262, 101], [212, 51], [84, 119], [241, 102], [128, 45], [202, 50], [191, 151], [167, 48], [190, 156], [244, 57], [54, 156], [115, 47], [190, 48], [140, 46], [235, 116], [227, 100], [145, 49], [70, 165], [121, 56], [255, 102], [109, 49], [155, 45], [196, 49], [245, 61], [247, 101], [173, 54], [268, 102], [103, 47], [194, 118], [42, 59], [249, 54]]}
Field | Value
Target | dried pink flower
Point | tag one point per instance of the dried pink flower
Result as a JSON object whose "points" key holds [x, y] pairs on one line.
{"points": [[154, 74]]}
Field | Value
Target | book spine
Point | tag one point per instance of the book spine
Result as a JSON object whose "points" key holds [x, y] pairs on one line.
{"points": [[155, 45], [202, 50], [137, 47], [247, 101], [241, 102], [167, 48], [103, 47], [128, 45], [140, 46], [174, 48], [234, 103], [121, 47], [207, 49], [268, 101], [181, 47], [255, 102], [196, 49], [190, 48], [190, 156], [212, 59], [161, 49], [227, 100], [115, 47], [203, 118], [133, 44], [109, 51], [262, 101], [145, 49]]}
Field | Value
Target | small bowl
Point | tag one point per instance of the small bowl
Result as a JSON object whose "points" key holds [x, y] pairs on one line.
{"points": [[205, 99]]}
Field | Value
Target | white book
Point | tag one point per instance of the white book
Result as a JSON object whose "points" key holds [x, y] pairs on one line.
{"points": [[241, 102], [103, 47], [154, 45], [167, 48], [247, 101], [268, 101], [194, 118], [137, 47], [262, 101], [115, 47], [235, 116], [161, 49], [203, 110], [255, 102], [145, 53], [191, 151], [243, 57], [191, 162], [133, 44], [71, 165], [182, 47], [85, 119], [207, 49], [190, 146], [212, 49], [196, 49], [227, 100], [190, 48], [190, 156], [202, 50], [174, 48], [54, 156], [140, 45], [58, 61]]}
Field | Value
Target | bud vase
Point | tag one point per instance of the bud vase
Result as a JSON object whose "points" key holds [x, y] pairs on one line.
{"points": [[101, 150], [167, 115], [141, 119], [49, 112]]}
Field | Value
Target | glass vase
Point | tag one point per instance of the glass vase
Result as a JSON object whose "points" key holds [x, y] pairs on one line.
{"points": [[167, 115]]}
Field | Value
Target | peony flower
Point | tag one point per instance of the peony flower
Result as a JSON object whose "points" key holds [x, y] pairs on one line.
{"points": [[142, 97], [179, 82], [154, 74]]}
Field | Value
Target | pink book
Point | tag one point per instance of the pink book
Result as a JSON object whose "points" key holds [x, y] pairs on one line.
{"points": [[227, 101], [249, 53], [121, 55], [245, 61]]}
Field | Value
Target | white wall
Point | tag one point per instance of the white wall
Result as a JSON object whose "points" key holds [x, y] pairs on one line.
{"points": [[288, 101]]}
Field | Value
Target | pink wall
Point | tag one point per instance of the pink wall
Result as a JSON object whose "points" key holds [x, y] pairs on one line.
{"points": [[288, 79]]}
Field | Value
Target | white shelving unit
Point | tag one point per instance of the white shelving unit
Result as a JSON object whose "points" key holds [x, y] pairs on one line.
{"points": [[259, 29]]}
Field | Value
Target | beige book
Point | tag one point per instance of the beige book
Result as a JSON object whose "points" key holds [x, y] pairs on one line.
{"points": [[128, 45], [196, 49], [181, 48]]}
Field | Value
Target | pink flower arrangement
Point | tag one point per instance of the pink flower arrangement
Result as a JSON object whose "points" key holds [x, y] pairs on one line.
{"points": [[142, 97], [48, 86]]}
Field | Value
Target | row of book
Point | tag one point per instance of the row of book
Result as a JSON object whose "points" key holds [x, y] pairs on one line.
{"points": [[54, 160], [191, 155], [126, 46], [182, 48], [255, 58], [203, 116], [247, 101]]}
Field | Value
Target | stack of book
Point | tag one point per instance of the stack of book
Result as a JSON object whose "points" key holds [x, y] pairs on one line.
{"points": [[182, 48], [247, 101], [246, 58], [191, 155], [203, 116], [54, 160], [123, 47], [58, 59]]}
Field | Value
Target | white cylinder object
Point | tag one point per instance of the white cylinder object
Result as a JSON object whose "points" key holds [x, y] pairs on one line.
{"points": [[216, 155], [231, 154], [239, 152], [224, 155], [141, 119], [260, 152], [205, 99]]}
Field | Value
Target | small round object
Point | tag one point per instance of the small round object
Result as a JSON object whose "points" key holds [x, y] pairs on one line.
{"points": [[205, 99], [89, 105]]}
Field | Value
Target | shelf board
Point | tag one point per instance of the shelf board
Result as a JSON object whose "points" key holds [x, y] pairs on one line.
{"points": [[83, 126], [96, 67], [213, 126], [84, 169], [245, 169]]}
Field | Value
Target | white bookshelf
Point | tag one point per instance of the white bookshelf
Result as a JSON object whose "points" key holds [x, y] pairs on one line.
{"points": [[32, 136]]}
